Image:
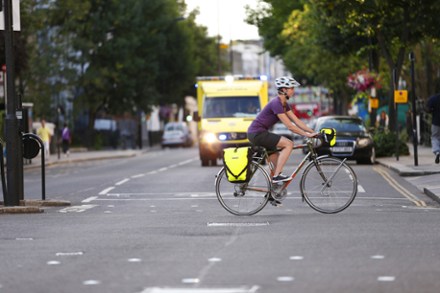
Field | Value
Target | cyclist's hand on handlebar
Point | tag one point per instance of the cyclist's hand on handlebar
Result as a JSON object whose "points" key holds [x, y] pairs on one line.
{"points": [[314, 135]]}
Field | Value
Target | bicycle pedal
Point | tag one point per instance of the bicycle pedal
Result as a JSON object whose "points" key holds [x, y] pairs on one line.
{"points": [[276, 203]]}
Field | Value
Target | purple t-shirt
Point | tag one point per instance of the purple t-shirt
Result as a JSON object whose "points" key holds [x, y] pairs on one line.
{"points": [[268, 116]]}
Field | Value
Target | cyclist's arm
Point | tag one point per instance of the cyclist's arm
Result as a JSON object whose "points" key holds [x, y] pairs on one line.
{"points": [[298, 122], [294, 128]]}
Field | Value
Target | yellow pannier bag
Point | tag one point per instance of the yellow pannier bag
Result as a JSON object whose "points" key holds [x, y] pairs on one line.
{"points": [[237, 162], [329, 136]]}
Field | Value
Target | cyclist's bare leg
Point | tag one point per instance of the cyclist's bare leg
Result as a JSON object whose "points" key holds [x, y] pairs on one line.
{"points": [[286, 146], [273, 158]]}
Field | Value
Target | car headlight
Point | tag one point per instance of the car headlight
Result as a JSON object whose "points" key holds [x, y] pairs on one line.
{"points": [[363, 142], [222, 137], [209, 137]]}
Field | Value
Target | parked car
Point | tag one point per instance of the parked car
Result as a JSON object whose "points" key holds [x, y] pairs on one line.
{"points": [[176, 134], [353, 140]]}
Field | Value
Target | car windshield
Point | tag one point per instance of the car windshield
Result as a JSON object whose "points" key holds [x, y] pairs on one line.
{"points": [[219, 107], [342, 125]]}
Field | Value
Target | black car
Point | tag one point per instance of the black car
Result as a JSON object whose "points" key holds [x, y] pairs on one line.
{"points": [[353, 141]]}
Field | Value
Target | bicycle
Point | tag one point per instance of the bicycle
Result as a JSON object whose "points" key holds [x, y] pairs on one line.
{"points": [[328, 184]]}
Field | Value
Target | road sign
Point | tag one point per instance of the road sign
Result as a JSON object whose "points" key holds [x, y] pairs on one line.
{"points": [[401, 97], [374, 103]]}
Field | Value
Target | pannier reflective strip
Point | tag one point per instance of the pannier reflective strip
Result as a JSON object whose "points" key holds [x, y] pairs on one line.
{"points": [[237, 162]]}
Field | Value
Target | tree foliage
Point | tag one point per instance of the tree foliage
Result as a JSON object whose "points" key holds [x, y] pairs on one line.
{"points": [[109, 56], [323, 39]]}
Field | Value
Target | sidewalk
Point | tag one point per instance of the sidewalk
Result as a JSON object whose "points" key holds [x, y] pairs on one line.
{"points": [[425, 176]]}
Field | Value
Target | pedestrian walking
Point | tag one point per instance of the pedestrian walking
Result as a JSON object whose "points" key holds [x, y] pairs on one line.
{"points": [[433, 107], [382, 121], [66, 140], [44, 133]]}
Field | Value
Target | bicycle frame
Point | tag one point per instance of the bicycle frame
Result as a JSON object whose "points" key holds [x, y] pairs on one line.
{"points": [[311, 155]]}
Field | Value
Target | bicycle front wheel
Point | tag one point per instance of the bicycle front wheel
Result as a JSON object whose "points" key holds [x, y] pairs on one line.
{"points": [[328, 185], [244, 199]]}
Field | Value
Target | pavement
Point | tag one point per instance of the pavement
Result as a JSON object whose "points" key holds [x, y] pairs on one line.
{"points": [[425, 176]]}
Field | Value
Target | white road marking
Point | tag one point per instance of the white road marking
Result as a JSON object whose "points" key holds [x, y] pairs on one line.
{"points": [[74, 253], [377, 257], [92, 198], [105, 191], [386, 278], [24, 239], [296, 257], [360, 188], [77, 209], [91, 282], [237, 224], [214, 259], [285, 279], [200, 290], [53, 262], [134, 260], [190, 281], [137, 176], [122, 181]]}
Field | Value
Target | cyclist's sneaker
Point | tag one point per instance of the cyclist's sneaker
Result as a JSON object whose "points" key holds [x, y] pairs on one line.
{"points": [[280, 178], [275, 202]]}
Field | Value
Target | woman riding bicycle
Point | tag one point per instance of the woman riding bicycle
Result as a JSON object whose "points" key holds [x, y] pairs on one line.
{"points": [[278, 109]]}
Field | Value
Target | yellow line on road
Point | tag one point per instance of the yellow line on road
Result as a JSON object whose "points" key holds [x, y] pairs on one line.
{"points": [[399, 188]]}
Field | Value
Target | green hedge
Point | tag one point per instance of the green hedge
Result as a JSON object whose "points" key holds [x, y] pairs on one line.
{"points": [[385, 144]]}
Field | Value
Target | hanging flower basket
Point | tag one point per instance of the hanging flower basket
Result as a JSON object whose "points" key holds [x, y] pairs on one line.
{"points": [[363, 80]]}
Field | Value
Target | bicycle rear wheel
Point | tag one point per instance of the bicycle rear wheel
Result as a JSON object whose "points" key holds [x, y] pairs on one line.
{"points": [[329, 186], [244, 199]]}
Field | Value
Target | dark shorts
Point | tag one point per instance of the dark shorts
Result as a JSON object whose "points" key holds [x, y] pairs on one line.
{"points": [[265, 139]]}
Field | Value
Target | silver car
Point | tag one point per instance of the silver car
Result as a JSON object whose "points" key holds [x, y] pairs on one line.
{"points": [[176, 134]]}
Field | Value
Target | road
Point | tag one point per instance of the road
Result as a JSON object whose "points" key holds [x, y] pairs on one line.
{"points": [[152, 223]]}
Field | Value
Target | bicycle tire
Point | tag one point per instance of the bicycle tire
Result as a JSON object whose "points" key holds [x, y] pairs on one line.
{"points": [[337, 194], [244, 199]]}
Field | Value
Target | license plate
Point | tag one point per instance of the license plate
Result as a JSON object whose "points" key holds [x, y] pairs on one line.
{"points": [[342, 149]]}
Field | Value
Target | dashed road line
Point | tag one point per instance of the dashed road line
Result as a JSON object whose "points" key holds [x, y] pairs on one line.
{"points": [[77, 209], [252, 289], [105, 191], [122, 181], [92, 198], [237, 224]]}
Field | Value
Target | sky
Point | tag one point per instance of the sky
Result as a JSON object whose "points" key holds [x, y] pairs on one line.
{"points": [[225, 17]]}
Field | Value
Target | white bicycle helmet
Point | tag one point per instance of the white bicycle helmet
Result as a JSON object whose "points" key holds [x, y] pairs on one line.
{"points": [[286, 81]]}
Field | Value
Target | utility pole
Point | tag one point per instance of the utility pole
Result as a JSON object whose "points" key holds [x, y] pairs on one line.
{"points": [[13, 142], [414, 114]]}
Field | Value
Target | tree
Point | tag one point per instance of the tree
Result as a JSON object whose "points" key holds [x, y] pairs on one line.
{"points": [[395, 26], [297, 41]]}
